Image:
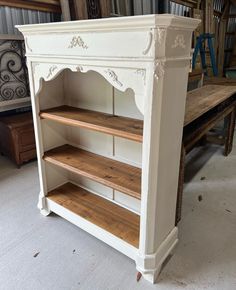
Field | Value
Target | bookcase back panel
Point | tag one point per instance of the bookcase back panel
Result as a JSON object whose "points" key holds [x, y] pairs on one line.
{"points": [[55, 176], [92, 186], [128, 151], [51, 93], [124, 104], [89, 140], [89, 91], [54, 134], [107, 192], [127, 201]]}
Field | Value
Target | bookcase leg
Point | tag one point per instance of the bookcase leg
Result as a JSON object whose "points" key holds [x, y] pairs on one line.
{"points": [[42, 205], [150, 265]]}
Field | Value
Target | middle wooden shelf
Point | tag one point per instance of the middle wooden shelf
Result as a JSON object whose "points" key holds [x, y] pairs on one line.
{"points": [[115, 174], [128, 128]]}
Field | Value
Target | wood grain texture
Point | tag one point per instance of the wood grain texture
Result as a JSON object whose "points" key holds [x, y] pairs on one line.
{"points": [[201, 100], [105, 8], [99, 211], [193, 134], [17, 138], [219, 81], [79, 9], [65, 8], [39, 5], [111, 124], [115, 174], [231, 121]]}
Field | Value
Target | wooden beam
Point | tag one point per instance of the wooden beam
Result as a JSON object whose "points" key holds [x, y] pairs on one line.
{"points": [[222, 33], [78, 9], [208, 17], [105, 8], [39, 5], [65, 7], [189, 3], [217, 13]]}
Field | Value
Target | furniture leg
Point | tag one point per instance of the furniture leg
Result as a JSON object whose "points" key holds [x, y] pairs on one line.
{"points": [[180, 185], [230, 132]]}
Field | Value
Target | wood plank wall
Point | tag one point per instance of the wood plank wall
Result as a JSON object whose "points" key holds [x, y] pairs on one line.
{"points": [[40, 5]]}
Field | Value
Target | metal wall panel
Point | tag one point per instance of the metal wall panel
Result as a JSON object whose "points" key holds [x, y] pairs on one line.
{"points": [[230, 37], [137, 7], [179, 9], [9, 17], [218, 5]]}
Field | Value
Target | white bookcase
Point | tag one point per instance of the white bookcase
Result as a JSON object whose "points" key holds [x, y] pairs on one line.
{"points": [[108, 100]]}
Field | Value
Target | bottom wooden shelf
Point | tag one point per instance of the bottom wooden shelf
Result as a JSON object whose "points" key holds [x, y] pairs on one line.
{"points": [[112, 218]]}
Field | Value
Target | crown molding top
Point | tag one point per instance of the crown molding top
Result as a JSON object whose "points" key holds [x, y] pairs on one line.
{"points": [[111, 24]]}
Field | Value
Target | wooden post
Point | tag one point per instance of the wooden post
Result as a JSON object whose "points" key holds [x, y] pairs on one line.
{"points": [[79, 10], [65, 8], [222, 31], [105, 8]]}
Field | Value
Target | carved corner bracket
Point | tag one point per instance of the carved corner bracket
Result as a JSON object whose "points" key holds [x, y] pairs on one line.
{"points": [[113, 77], [51, 70], [159, 69], [161, 33]]}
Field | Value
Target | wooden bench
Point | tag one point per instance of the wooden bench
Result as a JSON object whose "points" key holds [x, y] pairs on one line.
{"points": [[206, 107]]}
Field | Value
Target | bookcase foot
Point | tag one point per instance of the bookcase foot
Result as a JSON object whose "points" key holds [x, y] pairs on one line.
{"points": [[42, 205], [150, 266], [45, 212]]}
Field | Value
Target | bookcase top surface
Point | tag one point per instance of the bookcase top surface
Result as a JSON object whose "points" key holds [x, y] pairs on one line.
{"points": [[112, 24]]}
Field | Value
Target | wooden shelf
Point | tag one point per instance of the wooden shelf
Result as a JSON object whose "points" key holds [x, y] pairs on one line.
{"points": [[111, 124], [99, 211], [115, 174]]}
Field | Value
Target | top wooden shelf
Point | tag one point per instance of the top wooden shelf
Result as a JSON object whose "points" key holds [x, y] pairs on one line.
{"points": [[124, 127]]}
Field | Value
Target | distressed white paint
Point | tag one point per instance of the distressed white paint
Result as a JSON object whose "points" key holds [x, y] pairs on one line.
{"points": [[128, 54]]}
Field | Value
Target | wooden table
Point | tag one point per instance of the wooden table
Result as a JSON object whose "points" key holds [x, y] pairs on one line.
{"points": [[205, 107], [219, 81]]}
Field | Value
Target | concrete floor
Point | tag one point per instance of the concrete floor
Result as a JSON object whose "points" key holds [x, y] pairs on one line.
{"points": [[39, 253]]}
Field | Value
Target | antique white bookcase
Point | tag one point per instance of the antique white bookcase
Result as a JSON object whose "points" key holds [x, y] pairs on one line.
{"points": [[108, 100]]}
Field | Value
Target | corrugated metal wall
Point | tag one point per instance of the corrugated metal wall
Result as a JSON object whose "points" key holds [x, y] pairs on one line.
{"points": [[218, 5], [137, 7], [179, 9], [9, 17], [230, 36]]}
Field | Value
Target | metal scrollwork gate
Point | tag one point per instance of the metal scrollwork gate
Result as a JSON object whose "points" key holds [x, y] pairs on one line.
{"points": [[13, 71]]}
